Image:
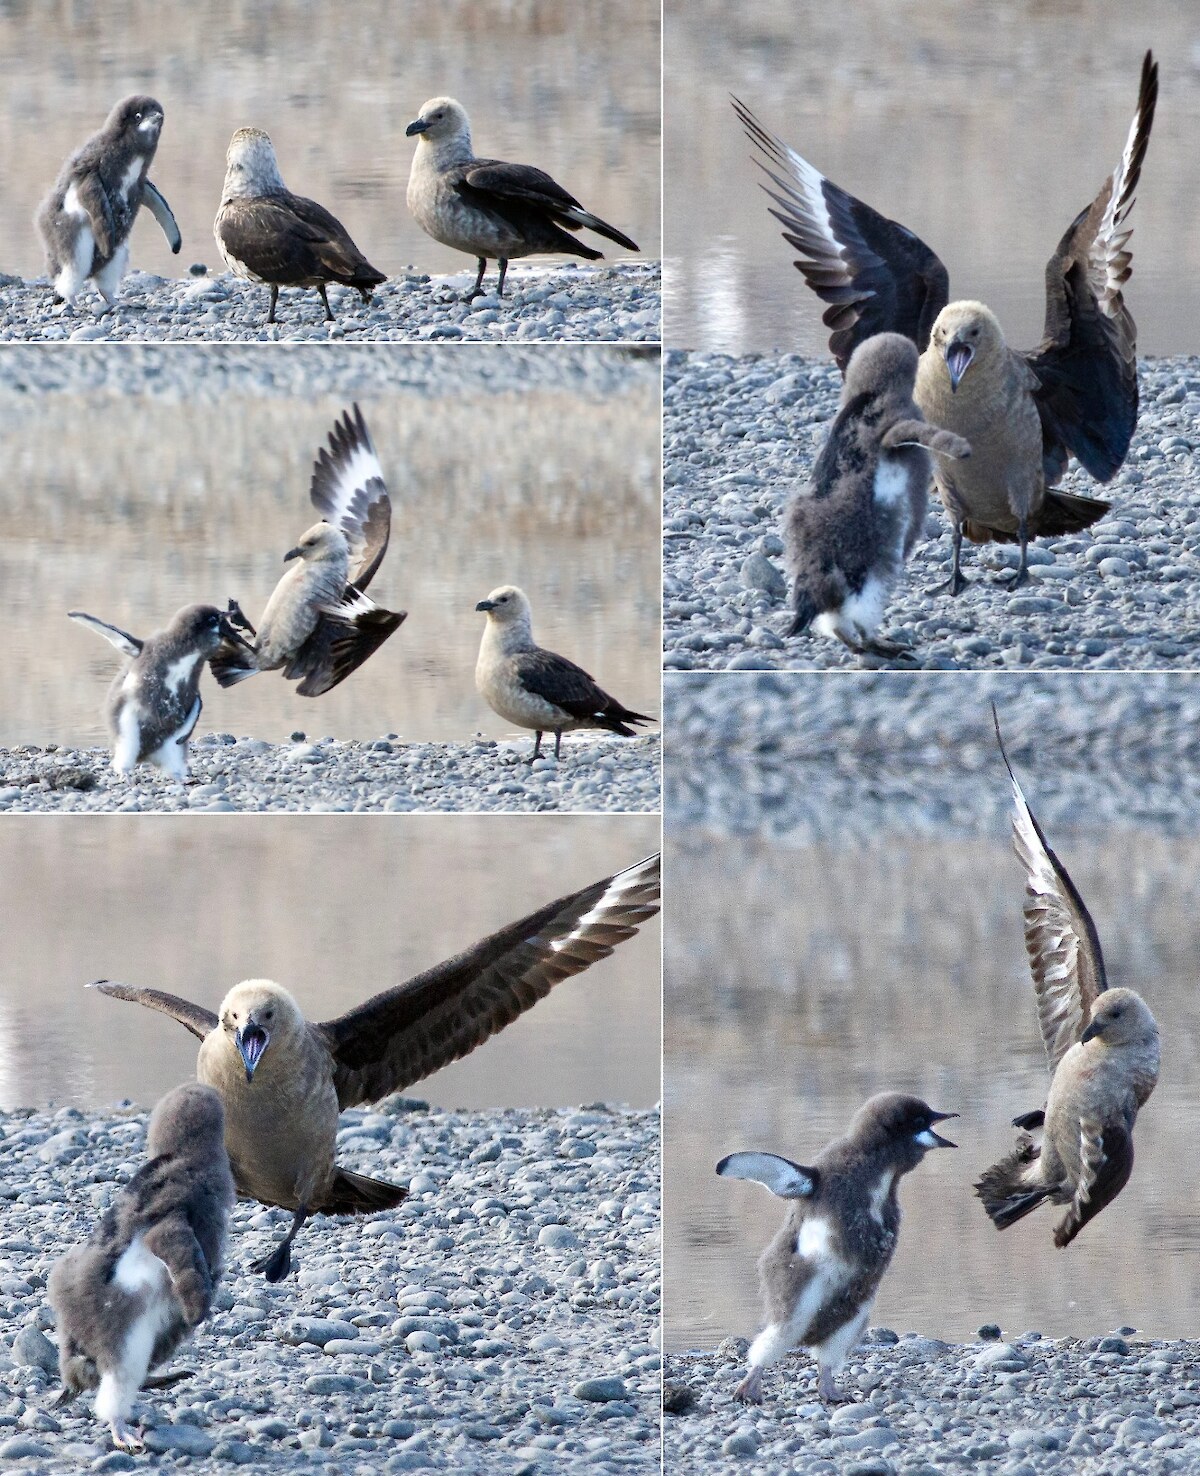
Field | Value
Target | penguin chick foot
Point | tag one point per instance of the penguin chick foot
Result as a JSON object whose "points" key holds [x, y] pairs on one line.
{"points": [[830, 1392], [889, 650], [750, 1390], [124, 1438]]}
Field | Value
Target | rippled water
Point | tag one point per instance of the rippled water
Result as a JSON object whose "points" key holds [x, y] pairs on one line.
{"points": [[984, 128], [801, 978], [334, 908], [573, 89], [125, 503]]}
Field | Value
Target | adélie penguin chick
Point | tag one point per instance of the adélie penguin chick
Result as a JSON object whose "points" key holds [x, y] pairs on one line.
{"points": [[86, 219], [847, 539], [535, 688], [154, 703], [319, 624], [284, 1080], [144, 1279], [1102, 1047], [820, 1273]]}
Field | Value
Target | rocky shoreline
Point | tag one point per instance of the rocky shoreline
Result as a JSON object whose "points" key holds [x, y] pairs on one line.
{"points": [[504, 1317], [1023, 1406], [740, 438], [619, 301], [596, 773]]}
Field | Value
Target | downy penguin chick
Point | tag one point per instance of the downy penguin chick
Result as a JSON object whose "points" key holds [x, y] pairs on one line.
{"points": [[144, 1279], [847, 539], [820, 1274]]}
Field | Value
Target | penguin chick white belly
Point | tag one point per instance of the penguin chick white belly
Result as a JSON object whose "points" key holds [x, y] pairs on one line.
{"points": [[144, 1279]]}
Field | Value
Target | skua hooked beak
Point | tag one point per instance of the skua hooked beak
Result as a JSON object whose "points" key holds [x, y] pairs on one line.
{"points": [[958, 361], [418, 125], [252, 1040]]}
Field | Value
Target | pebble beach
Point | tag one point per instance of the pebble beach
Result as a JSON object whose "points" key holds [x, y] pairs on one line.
{"points": [[384, 774], [741, 436], [503, 1318], [1015, 1404], [612, 302]]}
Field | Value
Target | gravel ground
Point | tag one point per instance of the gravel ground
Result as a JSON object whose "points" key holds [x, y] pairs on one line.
{"points": [[596, 773], [504, 1318], [619, 301], [923, 1407], [303, 372], [741, 436], [818, 758]]}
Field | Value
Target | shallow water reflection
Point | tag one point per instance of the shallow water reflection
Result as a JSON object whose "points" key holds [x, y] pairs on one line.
{"points": [[574, 89], [984, 128], [801, 978], [335, 909]]}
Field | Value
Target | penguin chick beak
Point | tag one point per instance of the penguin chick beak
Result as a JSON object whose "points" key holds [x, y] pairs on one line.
{"points": [[252, 1040], [958, 361], [930, 1139], [418, 125], [486, 605]]}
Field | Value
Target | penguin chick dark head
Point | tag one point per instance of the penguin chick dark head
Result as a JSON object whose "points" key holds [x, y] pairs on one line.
{"points": [[899, 1128], [206, 629], [139, 119], [188, 1122], [885, 364]]}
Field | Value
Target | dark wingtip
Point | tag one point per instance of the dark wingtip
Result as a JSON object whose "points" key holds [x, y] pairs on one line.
{"points": [[1000, 741]]}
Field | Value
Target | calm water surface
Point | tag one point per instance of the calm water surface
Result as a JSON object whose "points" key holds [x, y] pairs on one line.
{"points": [[335, 911], [801, 979], [573, 89], [124, 503], [984, 128]]}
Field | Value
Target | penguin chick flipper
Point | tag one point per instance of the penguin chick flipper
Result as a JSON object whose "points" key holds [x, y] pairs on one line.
{"points": [[1106, 1156], [91, 198], [113, 634], [162, 213], [921, 433], [165, 1381], [174, 1242], [785, 1179]]}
